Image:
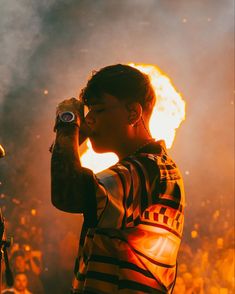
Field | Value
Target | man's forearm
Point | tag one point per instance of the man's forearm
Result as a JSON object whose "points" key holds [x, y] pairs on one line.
{"points": [[66, 171]]}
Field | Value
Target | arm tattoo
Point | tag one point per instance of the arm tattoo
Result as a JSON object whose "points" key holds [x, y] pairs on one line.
{"points": [[65, 181]]}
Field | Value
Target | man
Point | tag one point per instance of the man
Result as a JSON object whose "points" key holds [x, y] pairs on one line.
{"points": [[20, 285], [133, 211], [20, 264]]}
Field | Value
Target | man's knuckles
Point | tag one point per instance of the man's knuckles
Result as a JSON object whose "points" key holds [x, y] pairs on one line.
{"points": [[71, 104]]}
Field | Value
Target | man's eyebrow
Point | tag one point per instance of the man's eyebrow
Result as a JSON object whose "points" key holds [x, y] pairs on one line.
{"points": [[96, 103]]}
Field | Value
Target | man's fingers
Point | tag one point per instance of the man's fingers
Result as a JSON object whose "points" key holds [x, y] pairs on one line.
{"points": [[71, 104]]}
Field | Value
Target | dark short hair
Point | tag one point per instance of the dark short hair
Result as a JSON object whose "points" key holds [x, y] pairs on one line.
{"points": [[123, 82], [17, 253], [21, 273]]}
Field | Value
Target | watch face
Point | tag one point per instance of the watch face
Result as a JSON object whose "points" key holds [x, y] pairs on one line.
{"points": [[67, 116]]}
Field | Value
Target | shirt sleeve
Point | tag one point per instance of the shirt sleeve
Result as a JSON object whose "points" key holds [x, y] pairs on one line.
{"points": [[111, 194], [105, 196], [124, 192], [142, 189]]}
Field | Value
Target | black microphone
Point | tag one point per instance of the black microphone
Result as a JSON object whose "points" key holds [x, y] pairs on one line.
{"points": [[2, 151], [1, 226], [8, 273]]}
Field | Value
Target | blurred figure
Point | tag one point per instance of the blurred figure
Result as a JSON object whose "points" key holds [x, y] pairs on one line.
{"points": [[20, 265], [188, 280], [180, 287], [20, 285], [198, 286], [227, 261], [214, 290], [198, 281], [182, 268]]}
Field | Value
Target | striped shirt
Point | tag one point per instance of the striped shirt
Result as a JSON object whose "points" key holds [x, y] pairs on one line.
{"points": [[133, 226]]}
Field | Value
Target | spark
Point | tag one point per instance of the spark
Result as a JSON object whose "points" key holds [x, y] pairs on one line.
{"points": [[33, 211], [194, 234]]}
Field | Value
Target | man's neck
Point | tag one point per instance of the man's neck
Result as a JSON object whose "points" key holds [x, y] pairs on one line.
{"points": [[133, 146], [137, 136]]}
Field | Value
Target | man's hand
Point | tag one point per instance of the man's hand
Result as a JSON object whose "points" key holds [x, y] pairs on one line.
{"points": [[74, 105], [77, 107]]}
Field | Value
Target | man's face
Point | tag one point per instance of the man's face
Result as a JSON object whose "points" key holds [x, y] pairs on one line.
{"points": [[20, 263], [108, 122], [20, 282]]}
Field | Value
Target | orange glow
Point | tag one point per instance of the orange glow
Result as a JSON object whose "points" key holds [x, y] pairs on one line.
{"points": [[169, 110], [33, 211], [194, 234], [96, 161], [168, 113], [27, 248], [220, 243], [22, 220]]}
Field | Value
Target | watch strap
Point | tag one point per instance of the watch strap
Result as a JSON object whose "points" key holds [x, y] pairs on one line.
{"points": [[65, 122]]}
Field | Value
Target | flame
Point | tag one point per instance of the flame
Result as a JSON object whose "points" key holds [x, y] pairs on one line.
{"points": [[168, 113], [169, 110], [97, 161]]}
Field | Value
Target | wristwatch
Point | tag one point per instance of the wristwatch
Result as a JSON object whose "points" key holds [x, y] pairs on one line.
{"points": [[66, 118]]}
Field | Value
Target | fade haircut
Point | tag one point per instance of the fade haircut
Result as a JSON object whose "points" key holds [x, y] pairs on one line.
{"points": [[124, 82]]}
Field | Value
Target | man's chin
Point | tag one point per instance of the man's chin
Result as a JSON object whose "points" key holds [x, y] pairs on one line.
{"points": [[98, 148]]}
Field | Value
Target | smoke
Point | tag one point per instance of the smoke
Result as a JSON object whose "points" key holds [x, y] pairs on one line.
{"points": [[20, 35], [53, 45]]}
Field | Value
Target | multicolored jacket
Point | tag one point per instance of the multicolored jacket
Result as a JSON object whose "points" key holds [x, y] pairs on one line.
{"points": [[133, 225]]}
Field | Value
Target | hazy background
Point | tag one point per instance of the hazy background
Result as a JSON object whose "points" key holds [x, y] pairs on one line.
{"points": [[54, 45]]}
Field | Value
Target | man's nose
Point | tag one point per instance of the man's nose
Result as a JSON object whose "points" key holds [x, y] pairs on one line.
{"points": [[90, 119]]}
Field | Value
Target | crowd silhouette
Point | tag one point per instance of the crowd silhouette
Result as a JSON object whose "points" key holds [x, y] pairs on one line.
{"points": [[205, 263]]}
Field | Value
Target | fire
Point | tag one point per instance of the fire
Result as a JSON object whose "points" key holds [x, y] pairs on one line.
{"points": [[169, 110], [97, 161], [167, 116]]}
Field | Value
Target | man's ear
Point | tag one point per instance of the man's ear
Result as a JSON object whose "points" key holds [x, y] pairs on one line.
{"points": [[134, 112]]}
